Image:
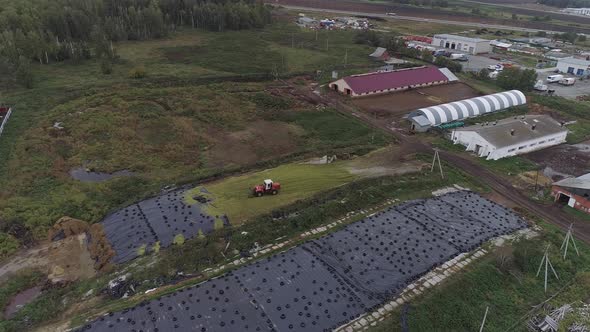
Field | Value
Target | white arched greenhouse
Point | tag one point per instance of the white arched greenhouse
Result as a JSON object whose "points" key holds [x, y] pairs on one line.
{"points": [[425, 118]]}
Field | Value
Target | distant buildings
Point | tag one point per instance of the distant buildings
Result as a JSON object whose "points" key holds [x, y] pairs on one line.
{"points": [[574, 66], [392, 81], [577, 11], [574, 192], [425, 118], [380, 54], [510, 137], [462, 43]]}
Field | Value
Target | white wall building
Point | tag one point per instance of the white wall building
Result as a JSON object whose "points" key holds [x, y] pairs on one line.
{"points": [[577, 11], [510, 137], [574, 66], [462, 43]]}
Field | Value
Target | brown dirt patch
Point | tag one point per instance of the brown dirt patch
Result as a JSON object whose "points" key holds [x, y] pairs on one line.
{"points": [[544, 110], [393, 107], [262, 140], [563, 160], [388, 161], [70, 260]]}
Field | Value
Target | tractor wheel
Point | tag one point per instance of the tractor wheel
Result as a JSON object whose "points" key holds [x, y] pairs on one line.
{"points": [[274, 192], [259, 194]]}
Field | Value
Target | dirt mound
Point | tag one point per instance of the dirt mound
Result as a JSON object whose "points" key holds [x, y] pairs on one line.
{"points": [[100, 248], [92, 239], [544, 110], [66, 227]]}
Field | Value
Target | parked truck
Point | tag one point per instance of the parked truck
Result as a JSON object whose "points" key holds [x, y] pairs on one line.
{"points": [[458, 57], [554, 78], [567, 81]]}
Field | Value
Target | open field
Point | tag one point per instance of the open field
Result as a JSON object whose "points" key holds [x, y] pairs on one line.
{"points": [[232, 196]]}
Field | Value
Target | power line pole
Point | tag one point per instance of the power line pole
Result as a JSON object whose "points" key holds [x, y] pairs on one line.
{"points": [[327, 44], [569, 237], [484, 319], [434, 161], [345, 58], [547, 263]]}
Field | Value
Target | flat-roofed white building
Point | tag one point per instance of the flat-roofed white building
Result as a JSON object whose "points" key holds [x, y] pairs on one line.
{"points": [[510, 137], [574, 66], [462, 43]]}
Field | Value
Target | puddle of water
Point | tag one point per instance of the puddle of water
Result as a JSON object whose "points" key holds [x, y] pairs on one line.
{"points": [[81, 174], [22, 298]]}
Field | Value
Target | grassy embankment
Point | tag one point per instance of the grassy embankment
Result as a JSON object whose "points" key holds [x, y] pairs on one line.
{"points": [[505, 281]]}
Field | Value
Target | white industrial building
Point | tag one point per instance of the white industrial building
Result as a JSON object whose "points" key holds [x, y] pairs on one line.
{"points": [[574, 66], [462, 43], [577, 11], [425, 118], [510, 137]]}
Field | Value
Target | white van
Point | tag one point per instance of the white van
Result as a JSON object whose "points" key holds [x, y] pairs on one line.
{"points": [[554, 78], [568, 81]]}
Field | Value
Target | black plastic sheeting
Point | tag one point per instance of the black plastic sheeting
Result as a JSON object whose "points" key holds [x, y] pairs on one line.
{"points": [[156, 219], [327, 282]]}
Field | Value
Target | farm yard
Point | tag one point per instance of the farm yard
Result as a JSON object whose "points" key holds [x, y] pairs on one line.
{"points": [[390, 108], [126, 198]]}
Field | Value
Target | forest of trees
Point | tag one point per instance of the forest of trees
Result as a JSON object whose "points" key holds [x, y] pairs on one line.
{"points": [[55, 30], [566, 3]]}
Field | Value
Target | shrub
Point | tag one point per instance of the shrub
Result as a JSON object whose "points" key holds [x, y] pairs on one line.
{"points": [[178, 239], [8, 245], [106, 67], [138, 72]]}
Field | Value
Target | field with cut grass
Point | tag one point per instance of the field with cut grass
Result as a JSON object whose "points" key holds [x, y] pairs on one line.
{"points": [[234, 198]]}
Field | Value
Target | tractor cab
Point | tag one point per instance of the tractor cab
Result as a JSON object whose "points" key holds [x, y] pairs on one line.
{"points": [[267, 184]]}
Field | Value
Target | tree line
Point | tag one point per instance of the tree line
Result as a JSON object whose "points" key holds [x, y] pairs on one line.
{"points": [[56, 30]]}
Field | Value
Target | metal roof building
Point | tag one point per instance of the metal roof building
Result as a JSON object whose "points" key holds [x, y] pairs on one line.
{"points": [[574, 192], [510, 137], [462, 109], [392, 81]]}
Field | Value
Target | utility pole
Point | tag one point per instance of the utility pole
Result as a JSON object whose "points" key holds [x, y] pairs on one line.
{"points": [[484, 319], [569, 237], [345, 58], [434, 161], [327, 44], [547, 263]]}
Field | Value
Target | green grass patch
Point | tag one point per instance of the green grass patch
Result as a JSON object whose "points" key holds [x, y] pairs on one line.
{"points": [[233, 196], [577, 214], [510, 165]]}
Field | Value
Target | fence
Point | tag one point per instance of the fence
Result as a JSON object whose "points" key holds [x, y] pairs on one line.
{"points": [[5, 120]]}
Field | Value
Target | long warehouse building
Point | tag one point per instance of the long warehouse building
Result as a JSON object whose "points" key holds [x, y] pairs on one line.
{"points": [[426, 118]]}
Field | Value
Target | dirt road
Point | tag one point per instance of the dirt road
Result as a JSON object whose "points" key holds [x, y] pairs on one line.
{"points": [[429, 15], [499, 184]]}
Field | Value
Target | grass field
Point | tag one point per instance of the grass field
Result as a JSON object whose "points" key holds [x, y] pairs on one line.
{"points": [[173, 126], [233, 196]]}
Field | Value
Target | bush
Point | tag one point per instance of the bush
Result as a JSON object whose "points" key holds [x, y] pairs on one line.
{"points": [[138, 72], [178, 240], [8, 245], [106, 67]]}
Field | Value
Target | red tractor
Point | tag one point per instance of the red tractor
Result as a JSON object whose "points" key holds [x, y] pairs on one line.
{"points": [[268, 187]]}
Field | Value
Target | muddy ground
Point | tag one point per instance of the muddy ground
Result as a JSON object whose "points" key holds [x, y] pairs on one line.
{"points": [[393, 107], [563, 160], [431, 13]]}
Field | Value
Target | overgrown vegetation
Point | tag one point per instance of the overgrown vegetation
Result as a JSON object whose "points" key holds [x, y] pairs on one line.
{"points": [[505, 281]]}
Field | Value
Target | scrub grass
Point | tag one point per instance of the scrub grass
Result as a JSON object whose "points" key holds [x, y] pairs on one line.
{"points": [[233, 196], [509, 289]]}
